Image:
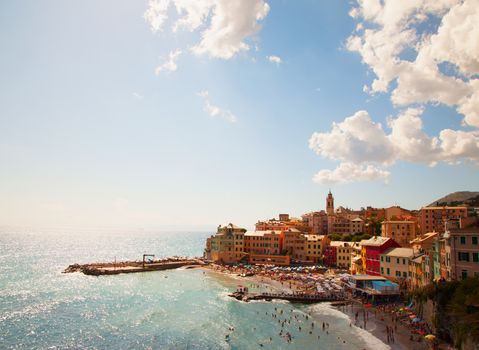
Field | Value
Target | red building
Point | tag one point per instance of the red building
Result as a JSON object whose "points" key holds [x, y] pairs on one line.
{"points": [[371, 250], [330, 256]]}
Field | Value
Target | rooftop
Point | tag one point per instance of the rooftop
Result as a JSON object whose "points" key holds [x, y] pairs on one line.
{"points": [[399, 252], [375, 241], [261, 233], [368, 278]]}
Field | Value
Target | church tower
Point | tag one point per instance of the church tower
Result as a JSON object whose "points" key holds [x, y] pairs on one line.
{"points": [[330, 204]]}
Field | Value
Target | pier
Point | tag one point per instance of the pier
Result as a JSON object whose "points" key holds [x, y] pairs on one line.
{"points": [[291, 297], [115, 268]]}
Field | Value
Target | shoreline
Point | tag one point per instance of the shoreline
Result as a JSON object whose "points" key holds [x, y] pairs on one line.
{"points": [[376, 320]]}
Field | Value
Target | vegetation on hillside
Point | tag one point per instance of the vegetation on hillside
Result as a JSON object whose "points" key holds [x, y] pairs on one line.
{"points": [[456, 308]]}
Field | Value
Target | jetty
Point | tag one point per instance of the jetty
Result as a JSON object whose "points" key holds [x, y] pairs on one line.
{"points": [[115, 268], [291, 297]]}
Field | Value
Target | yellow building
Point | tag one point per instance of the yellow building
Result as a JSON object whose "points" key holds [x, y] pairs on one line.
{"points": [[227, 245], [344, 252], [314, 247]]}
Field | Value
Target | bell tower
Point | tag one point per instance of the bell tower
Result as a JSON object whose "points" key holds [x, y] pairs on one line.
{"points": [[330, 204]]}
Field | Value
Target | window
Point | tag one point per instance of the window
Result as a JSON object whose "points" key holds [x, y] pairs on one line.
{"points": [[463, 274], [404, 261], [463, 256], [475, 257], [387, 270], [474, 240], [398, 273], [397, 260], [382, 270], [382, 258], [463, 240], [404, 274]]}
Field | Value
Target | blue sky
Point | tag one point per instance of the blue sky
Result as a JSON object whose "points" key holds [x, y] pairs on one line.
{"points": [[99, 130]]}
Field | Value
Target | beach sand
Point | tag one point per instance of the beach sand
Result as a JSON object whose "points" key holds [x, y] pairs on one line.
{"points": [[376, 325]]}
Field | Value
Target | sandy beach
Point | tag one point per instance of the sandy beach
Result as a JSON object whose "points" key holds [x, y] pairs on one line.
{"points": [[373, 320]]}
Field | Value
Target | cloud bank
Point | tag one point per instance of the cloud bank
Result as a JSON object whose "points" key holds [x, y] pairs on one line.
{"points": [[418, 64]]}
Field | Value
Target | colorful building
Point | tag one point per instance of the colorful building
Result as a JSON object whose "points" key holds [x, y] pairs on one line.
{"points": [[263, 242], [223, 247], [395, 263], [371, 249], [464, 247]]}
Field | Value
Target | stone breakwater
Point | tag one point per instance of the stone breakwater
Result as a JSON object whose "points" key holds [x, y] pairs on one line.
{"points": [[114, 268]]}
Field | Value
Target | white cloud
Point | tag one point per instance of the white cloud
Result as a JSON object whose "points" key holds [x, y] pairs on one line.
{"points": [[275, 59], [357, 139], [170, 64], [361, 142], [349, 172], [215, 111], [390, 28], [224, 24], [138, 96]]}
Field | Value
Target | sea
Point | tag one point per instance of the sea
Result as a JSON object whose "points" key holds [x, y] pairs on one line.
{"points": [[43, 308]]}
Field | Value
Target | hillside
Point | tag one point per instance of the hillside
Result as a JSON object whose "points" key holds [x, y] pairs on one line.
{"points": [[458, 198]]}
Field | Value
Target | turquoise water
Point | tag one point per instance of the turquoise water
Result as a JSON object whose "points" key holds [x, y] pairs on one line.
{"points": [[41, 308]]}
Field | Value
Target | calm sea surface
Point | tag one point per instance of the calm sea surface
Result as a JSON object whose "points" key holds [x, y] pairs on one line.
{"points": [[41, 308]]}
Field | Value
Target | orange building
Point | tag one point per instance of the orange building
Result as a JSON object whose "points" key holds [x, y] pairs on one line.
{"points": [[263, 242], [401, 231], [433, 219]]}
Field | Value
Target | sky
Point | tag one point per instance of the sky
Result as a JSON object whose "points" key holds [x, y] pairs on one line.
{"points": [[193, 113]]}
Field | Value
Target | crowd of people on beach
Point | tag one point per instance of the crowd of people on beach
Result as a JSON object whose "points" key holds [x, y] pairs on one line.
{"points": [[311, 279]]}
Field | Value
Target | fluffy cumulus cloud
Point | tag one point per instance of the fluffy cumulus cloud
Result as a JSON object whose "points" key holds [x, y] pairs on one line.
{"points": [[365, 149], [215, 111], [418, 63], [170, 64], [275, 59], [392, 41], [350, 172], [224, 25]]}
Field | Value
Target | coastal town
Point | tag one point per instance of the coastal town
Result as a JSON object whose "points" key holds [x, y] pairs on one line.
{"points": [[375, 256]]}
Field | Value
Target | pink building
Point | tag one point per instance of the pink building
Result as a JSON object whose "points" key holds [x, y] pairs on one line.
{"points": [[464, 246], [371, 249]]}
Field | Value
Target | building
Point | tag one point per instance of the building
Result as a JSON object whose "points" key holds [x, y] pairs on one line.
{"points": [[395, 263], [401, 231], [330, 254], [317, 222], [330, 204], [294, 244], [263, 242], [314, 247], [418, 278], [464, 247], [371, 249], [375, 214], [343, 252], [433, 219], [356, 226], [223, 247], [397, 213]]}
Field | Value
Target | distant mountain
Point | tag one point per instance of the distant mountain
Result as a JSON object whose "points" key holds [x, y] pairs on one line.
{"points": [[458, 198]]}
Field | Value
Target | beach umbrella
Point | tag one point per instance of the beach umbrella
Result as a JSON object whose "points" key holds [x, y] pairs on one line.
{"points": [[412, 316], [416, 320], [430, 337]]}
